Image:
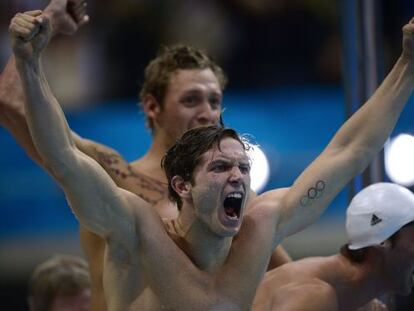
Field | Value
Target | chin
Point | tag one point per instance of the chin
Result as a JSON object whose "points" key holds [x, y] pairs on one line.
{"points": [[227, 232], [233, 232]]}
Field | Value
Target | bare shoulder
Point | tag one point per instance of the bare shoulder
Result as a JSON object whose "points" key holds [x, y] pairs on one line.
{"points": [[315, 295], [310, 295], [268, 199], [266, 205]]}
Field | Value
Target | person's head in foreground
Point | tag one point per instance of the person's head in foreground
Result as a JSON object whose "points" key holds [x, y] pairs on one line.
{"points": [[380, 227], [61, 283], [208, 171]]}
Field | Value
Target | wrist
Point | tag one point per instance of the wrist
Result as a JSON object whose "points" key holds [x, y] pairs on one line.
{"points": [[52, 22], [407, 60], [28, 62]]}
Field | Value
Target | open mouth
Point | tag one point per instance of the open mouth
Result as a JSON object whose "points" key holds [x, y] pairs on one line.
{"points": [[232, 204]]}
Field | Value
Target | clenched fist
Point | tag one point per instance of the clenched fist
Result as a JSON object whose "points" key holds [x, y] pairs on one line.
{"points": [[30, 32]]}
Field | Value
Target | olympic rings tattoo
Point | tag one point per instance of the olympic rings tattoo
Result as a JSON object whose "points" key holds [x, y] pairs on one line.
{"points": [[313, 193]]}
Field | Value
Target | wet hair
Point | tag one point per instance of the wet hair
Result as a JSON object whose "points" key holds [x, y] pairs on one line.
{"points": [[170, 59], [354, 255], [185, 155], [60, 275]]}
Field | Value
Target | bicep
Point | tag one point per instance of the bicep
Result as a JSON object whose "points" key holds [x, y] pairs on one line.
{"points": [[95, 198]]}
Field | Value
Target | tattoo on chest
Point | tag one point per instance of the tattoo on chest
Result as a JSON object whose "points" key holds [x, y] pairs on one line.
{"points": [[149, 189], [313, 193]]}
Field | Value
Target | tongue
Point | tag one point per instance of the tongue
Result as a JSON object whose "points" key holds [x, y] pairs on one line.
{"points": [[230, 211]]}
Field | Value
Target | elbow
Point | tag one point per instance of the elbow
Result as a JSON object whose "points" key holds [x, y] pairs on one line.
{"points": [[352, 160], [360, 158]]}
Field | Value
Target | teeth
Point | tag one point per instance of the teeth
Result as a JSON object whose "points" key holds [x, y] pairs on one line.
{"points": [[236, 195]]}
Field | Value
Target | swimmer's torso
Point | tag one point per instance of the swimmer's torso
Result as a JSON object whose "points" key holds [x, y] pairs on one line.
{"points": [[126, 177], [158, 275]]}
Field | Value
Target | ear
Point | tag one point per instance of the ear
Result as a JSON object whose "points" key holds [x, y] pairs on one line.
{"points": [[387, 244], [181, 187], [151, 106], [381, 250]]}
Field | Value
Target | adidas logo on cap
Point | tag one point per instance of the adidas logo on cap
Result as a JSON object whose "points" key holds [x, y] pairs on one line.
{"points": [[375, 220]]}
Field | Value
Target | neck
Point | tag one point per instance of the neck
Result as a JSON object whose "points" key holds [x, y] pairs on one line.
{"points": [[207, 250], [357, 284]]}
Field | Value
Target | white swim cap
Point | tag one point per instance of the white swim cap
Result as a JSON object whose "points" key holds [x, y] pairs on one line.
{"points": [[377, 212]]}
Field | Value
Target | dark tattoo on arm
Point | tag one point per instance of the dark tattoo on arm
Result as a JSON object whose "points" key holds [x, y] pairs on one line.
{"points": [[313, 193], [149, 189]]}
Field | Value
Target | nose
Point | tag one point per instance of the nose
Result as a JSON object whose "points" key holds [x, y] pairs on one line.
{"points": [[236, 175], [207, 115]]}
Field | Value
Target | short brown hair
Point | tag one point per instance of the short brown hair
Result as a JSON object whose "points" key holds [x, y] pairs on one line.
{"points": [[182, 158], [170, 59], [60, 275]]}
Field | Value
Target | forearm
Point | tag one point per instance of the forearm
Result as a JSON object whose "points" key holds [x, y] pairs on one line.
{"points": [[11, 93], [45, 119], [11, 96], [371, 125], [13, 115], [12, 112], [64, 19]]}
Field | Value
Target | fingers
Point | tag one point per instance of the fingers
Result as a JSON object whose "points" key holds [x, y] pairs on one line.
{"points": [[43, 24], [409, 28], [84, 20], [33, 13], [43, 21], [80, 8], [77, 9], [25, 25]]}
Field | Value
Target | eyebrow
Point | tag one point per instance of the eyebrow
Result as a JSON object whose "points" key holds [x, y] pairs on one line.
{"points": [[197, 90], [240, 161]]}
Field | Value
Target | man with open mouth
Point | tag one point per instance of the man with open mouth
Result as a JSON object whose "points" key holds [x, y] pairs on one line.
{"points": [[215, 254], [182, 89]]}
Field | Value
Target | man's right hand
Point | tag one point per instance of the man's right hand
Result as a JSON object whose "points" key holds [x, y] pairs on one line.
{"points": [[30, 33], [66, 16]]}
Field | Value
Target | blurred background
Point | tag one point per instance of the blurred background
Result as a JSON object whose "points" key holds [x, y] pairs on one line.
{"points": [[286, 66]]}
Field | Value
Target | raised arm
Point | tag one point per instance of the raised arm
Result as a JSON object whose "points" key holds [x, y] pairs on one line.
{"points": [[85, 183], [66, 17], [353, 146]]}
